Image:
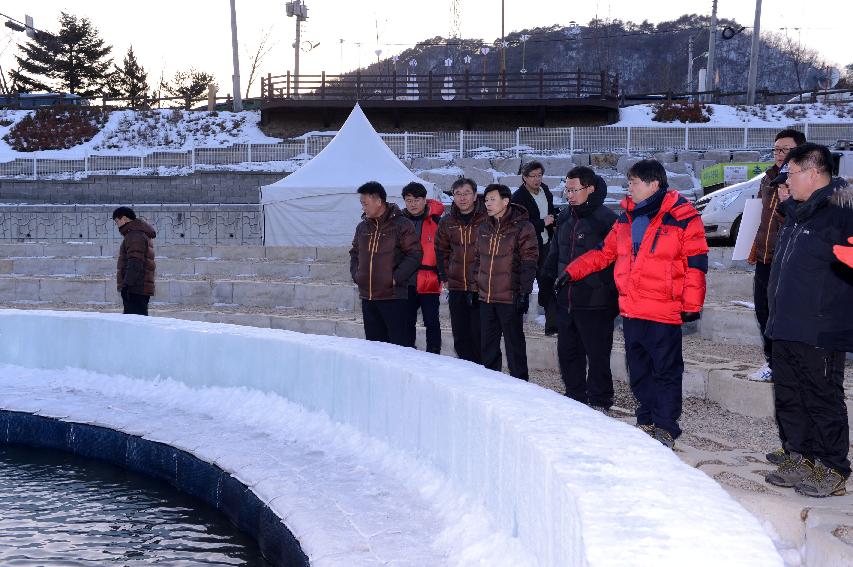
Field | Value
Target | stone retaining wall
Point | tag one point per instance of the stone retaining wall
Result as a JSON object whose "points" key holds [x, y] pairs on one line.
{"points": [[206, 224]]}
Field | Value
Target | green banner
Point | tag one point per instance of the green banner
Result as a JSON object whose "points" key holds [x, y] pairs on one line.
{"points": [[730, 173]]}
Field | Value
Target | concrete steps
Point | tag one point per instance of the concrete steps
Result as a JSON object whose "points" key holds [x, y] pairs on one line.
{"points": [[171, 267]]}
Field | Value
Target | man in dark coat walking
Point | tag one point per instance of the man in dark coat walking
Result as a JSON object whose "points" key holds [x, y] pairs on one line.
{"points": [[811, 326], [587, 308], [135, 269]]}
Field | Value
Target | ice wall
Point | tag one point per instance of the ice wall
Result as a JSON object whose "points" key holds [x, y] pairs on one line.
{"points": [[574, 486]]}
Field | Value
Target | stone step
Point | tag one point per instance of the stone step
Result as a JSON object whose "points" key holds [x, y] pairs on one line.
{"points": [[177, 251], [170, 267], [724, 322], [246, 293], [731, 284]]}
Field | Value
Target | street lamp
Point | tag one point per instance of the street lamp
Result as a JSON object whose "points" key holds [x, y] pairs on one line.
{"points": [[296, 9]]}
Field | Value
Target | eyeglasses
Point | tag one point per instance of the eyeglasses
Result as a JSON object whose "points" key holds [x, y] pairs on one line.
{"points": [[573, 191], [790, 173], [778, 150]]}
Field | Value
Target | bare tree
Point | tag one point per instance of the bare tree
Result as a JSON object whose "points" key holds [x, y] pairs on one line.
{"points": [[802, 58], [264, 47]]}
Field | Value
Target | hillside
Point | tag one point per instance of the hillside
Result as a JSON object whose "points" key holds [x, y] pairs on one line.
{"points": [[648, 57]]}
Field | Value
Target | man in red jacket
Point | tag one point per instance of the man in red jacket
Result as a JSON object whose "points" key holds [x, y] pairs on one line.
{"points": [[661, 256], [424, 284]]}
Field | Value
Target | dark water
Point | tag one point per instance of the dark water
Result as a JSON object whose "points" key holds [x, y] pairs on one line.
{"points": [[59, 509]]}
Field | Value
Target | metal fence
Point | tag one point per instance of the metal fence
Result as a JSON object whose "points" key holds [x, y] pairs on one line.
{"points": [[446, 145]]}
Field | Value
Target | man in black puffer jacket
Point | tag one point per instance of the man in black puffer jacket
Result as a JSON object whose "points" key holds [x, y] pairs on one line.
{"points": [[811, 326], [586, 308]]}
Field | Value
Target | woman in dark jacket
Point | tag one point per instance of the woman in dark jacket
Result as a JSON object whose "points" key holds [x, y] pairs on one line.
{"points": [[586, 308]]}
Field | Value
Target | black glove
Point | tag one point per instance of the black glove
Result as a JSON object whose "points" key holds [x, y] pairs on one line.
{"points": [[472, 298], [522, 303], [565, 278], [689, 316]]}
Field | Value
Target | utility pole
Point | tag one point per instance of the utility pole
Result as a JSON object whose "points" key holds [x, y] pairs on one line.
{"points": [[712, 40], [235, 78], [753, 56], [690, 65], [503, 40], [298, 9]]}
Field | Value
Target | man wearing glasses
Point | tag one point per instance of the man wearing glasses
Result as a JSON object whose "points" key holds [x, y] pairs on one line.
{"points": [[454, 252], [810, 323], [764, 244], [537, 199], [586, 308]]}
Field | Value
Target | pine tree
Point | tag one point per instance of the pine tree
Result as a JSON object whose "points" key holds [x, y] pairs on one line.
{"points": [[189, 85], [131, 80], [75, 60]]}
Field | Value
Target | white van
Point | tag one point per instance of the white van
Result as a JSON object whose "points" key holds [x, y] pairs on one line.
{"points": [[722, 210]]}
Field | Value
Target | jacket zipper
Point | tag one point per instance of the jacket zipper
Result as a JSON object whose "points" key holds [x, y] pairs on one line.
{"points": [[767, 235], [493, 249], [373, 246], [572, 253], [464, 256], [655, 241]]}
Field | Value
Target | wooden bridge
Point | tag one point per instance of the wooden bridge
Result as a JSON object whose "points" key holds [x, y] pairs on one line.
{"points": [[462, 99]]}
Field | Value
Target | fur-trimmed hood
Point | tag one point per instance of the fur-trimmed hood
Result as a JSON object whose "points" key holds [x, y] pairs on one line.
{"points": [[843, 196]]}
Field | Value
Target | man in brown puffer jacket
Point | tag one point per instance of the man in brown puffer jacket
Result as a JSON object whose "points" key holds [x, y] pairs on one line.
{"points": [[135, 269], [506, 258], [454, 252], [385, 252]]}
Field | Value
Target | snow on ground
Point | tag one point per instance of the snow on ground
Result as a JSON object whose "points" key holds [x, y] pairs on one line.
{"points": [[723, 115], [432, 460], [129, 132]]}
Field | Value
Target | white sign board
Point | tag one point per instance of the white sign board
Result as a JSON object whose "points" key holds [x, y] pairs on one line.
{"points": [[748, 229], [735, 174]]}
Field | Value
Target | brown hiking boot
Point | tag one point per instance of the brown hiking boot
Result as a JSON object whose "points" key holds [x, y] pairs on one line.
{"points": [[776, 457], [648, 429], [822, 482], [791, 472], [665, 437]]}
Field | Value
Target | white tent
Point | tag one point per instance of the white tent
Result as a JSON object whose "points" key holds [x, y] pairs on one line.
{"points": [[317, 205]]}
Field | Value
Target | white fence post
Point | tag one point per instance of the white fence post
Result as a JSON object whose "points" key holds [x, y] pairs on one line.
{"points": [[192, 159], [806, 130], [305, 150], [142, 161], [628, 148], [517, 142], [405, 145], [461, 144], [86, 164], [249, 150], [745, 137], [572, 140], [35, 169], [686, 138]]}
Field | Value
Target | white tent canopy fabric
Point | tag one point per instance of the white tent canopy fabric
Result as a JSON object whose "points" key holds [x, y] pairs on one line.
{"points": [[317, 204]]}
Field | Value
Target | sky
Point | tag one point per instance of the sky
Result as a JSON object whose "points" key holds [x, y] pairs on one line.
{"points": [[176, 35]]}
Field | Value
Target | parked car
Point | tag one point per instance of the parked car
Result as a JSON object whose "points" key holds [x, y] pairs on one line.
{"points": [[722, 210], [29, 101]]}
